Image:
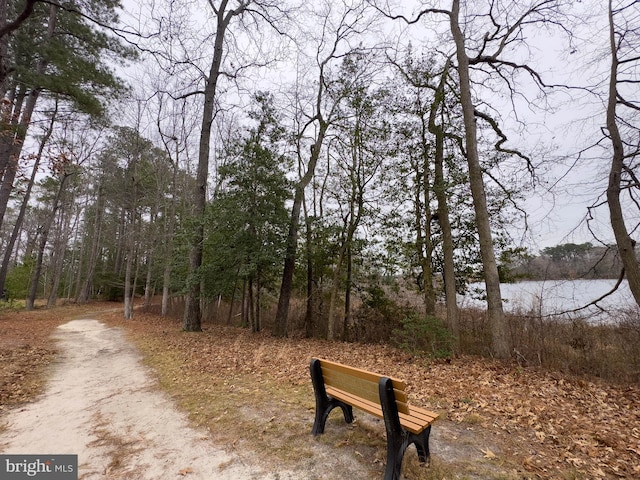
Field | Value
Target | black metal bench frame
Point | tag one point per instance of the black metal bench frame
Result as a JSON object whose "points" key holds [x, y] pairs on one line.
{"points": [[391, 396]]}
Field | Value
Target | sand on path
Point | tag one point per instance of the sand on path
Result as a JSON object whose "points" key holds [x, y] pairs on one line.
{"points": [[102, 404]]}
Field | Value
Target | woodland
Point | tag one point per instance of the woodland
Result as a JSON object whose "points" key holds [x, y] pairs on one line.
{"points": [[304, 166]]}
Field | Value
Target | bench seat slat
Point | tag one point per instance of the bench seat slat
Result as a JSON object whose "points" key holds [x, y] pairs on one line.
{"points": [[415, 421], [357, 386]]}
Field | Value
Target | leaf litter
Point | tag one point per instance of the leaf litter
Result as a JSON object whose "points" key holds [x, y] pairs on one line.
{"points": [[544, 424]]}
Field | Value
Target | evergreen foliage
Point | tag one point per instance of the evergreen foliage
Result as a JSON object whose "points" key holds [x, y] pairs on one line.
{"points": [[247, 220], [424, 336], [64, 51]]}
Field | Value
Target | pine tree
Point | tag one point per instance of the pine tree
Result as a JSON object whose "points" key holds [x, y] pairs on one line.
{"points": [[249, 218], [59, 50]]}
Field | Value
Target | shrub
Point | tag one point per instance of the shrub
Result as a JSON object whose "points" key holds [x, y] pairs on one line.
{"points": [[424, 336], [376, 319], [18, 280]]}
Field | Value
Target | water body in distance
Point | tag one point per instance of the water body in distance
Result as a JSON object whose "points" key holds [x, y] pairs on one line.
{"points": [[560, 297]]}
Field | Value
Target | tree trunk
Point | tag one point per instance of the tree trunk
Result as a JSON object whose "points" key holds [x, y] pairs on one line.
{"points": [[6, 29], [449, 274], [440, 191], [282, 314], [192, 321], [128, 293], [75, 259], [426, 247], [243, 305], [58, 251], [233, 298], [87, 284], [309, 320], [148, 284], [121, 245], [44, 237], [335, 286], [25, 201], [130, 245], [4, 49], [258, 315], [166, 280], [171, 227], [347, 293], [11, 142], [626, 245], [79, 267], [499, 331]]}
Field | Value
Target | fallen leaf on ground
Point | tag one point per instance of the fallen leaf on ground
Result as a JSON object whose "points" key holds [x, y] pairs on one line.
{"points": [[488, 453]]}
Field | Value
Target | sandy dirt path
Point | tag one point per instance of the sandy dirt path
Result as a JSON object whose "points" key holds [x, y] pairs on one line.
{"points": [[102, 404]]}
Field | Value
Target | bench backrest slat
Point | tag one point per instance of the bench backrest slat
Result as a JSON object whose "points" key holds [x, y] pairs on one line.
{"points": [[361, 383]]}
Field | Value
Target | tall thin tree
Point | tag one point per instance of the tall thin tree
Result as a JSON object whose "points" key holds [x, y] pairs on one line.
{"points": [[624, 42], [224, 13]]}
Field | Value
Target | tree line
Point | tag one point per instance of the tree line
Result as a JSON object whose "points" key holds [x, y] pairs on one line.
{"points": [[567, 261], [266, 151]]}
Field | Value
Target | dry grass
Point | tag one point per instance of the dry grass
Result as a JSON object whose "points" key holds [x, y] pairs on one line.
{"points": [[252, 393], [249, 412], [543, 424], [577, 347]]}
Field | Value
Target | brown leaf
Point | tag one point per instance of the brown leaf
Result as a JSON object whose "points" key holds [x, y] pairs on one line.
{"points": [[488, 453]]}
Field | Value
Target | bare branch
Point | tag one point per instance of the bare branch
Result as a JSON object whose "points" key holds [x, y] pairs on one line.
{"points": [[594, 303], [502, 139], [408, 21], [19, 20]]}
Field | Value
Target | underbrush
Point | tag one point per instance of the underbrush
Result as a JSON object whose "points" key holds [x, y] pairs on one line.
{"points": [[576, 346]]}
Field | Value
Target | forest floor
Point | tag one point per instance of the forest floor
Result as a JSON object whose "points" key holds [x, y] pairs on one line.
{"points": [[245, 402]]}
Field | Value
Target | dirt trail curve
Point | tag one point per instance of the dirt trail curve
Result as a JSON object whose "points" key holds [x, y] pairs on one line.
{"points": [[102, 404]]}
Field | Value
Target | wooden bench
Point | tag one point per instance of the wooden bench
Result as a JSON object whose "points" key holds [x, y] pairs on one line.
{"points": [[337, 385]]}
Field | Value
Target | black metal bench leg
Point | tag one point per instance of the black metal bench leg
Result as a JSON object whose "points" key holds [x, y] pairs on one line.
{"points": [[323, 411], [396, 447], [397, 438], [324, 404], [347, 411], [421, 442]]}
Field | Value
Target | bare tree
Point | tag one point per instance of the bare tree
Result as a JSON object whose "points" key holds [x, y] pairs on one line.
{"points": [[66, 168], [27, 195], [93, 230], [499, 333], [486, 50], [175, 140], [340, 24], [623, 109], [437, 129], [356, 154], [247, 12], [438, 134]]}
